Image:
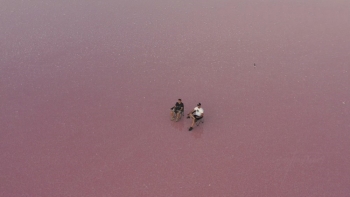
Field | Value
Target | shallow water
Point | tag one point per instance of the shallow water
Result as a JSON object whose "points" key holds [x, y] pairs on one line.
{"points": [[86, 89]]}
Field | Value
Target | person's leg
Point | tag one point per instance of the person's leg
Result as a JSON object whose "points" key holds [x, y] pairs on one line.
{"points": [[172, 115], [175, 114], [193, 121], [178, 115], [191, 116]]}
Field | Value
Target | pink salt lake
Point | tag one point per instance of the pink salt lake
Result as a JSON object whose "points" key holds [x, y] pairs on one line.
{"points": [[86, 87]]}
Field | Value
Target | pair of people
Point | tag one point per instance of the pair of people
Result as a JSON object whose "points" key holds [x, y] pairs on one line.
{"points": [[196, 114]]}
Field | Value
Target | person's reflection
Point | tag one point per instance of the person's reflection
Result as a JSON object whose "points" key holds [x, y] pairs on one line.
{"points": [[178, 125], [197, 131]]}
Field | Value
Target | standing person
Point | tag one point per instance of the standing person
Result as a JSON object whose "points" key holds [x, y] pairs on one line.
{"points": [[196, 114], [177, 109]]}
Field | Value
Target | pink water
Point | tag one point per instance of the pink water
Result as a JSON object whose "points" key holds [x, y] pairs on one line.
{"points": [[86, 88]]}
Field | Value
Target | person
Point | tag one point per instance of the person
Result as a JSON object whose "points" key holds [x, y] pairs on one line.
{"points": [[176, 110], [196, 114]]}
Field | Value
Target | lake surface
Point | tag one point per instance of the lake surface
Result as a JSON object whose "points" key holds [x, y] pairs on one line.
{"points": [[86, 89]]}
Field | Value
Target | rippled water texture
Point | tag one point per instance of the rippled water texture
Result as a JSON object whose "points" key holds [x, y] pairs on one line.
{"points": [[86, 88]]}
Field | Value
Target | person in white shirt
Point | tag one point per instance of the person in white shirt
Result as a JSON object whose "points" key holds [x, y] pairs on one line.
{"points": [[196, 114]]}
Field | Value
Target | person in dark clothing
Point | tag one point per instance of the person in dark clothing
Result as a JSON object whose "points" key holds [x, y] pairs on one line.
{"points": [[176, 110]]}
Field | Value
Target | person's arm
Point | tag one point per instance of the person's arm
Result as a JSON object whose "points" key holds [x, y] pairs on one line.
{"points": [[182, 107], [191, 112], [174, 107]]}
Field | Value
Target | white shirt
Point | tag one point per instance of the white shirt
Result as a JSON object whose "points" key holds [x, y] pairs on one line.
{"points": [[198, 111]]}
